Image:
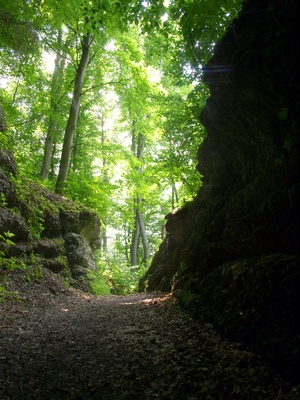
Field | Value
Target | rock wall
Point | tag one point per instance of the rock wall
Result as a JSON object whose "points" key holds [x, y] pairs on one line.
{"points": [[232, 255], [46, 229]]}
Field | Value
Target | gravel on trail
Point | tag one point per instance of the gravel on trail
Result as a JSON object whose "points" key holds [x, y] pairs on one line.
{"points": [[58, 343]]}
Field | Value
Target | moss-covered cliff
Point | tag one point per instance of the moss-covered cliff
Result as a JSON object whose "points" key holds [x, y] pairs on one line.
{"points": [[232, 255], [41, 229]]}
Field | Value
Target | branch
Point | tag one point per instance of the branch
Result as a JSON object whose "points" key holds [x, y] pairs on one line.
{"points": [[15, 91], [26, 121], [103, 84]]}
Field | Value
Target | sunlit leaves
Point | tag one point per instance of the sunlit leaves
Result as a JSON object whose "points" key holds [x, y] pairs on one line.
{"points": [[199, 23], [202, 24], [145, 66], [17, 32]]}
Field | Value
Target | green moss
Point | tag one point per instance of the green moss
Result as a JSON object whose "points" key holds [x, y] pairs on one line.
{"points": [[34, 273], [34, 202], [65, 274], [11, 263], [8, 295], [63, 261], [3, 200]]}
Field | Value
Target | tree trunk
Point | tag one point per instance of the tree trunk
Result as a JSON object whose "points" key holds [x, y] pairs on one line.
{"points": [[106, 180], [74, 110], [139, 228], [48, 149], [135, 241], [103, 236], [56, 85], [53, 163], [174, 195], [143, 234], [126, 242]]}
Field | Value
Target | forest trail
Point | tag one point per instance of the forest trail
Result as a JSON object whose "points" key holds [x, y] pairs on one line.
{"points": [[61, 344]]}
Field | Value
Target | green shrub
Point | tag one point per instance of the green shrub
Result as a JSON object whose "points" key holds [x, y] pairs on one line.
{"points": [[112, 276]]}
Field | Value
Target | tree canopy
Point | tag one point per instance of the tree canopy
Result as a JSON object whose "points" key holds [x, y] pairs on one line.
{"points": [[101, 101]]}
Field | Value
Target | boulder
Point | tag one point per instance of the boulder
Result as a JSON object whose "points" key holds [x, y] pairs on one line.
{"points": [[13, 223]]}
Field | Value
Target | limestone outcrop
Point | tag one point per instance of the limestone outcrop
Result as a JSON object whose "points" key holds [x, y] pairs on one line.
{"points": [[232, 254], [41, 228]]}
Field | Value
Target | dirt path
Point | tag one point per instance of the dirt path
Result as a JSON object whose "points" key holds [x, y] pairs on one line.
{"points": [[59, 344]]}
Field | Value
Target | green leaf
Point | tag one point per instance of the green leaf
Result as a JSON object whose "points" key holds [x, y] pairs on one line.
{"points": [[283, 114]]}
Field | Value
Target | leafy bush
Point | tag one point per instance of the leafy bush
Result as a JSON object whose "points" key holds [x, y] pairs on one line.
{"points": [[115, 277]]}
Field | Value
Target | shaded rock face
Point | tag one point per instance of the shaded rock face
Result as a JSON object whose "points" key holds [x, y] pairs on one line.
{"points": [[232, 255], [67, 237]]}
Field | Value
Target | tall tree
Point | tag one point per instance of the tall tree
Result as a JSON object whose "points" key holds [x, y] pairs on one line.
{"points": [[103, 234], [55, 96], [74, 110], [139, 226], [156, 75], [100, 19]]}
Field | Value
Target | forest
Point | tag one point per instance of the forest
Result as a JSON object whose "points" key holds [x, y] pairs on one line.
{"points": [[149, 199], [101, 102]]}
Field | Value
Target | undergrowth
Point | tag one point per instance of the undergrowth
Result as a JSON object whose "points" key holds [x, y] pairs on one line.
{"points": [[113, 277]]}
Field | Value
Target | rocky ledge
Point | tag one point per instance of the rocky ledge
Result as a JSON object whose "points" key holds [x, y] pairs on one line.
{"points": [[39, 228]]}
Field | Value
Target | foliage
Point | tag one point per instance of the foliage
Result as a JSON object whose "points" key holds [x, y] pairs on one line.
{"points": [[113, 277], [201, 24], [6, 238], [34, 272], [145, 65], [99, 284], [11, 263], [32, 204], [7, 294], [16, 31]]}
